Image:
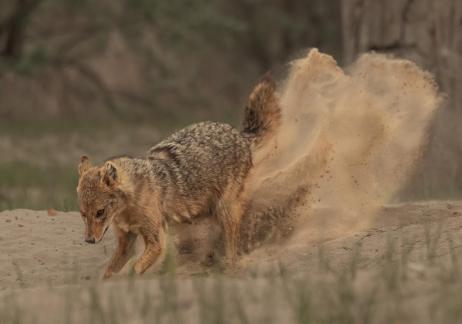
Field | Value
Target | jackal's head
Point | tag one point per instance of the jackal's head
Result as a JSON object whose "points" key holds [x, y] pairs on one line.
{"points": [[100, 197]]}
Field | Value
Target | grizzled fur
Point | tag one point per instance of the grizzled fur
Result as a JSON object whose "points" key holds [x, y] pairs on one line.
{"points": [[201, 168], [196, 165]]}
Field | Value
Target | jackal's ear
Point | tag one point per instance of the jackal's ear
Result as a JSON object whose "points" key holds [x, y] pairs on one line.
{"points": [[84, 164], [109, 174]]}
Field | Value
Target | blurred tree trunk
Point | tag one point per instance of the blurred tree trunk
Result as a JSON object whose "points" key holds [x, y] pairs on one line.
{"points": [[428, 32], [277, 29], [13, 27]]}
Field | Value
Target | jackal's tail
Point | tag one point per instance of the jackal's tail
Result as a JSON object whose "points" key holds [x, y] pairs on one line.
{"points": [[262, 116]]}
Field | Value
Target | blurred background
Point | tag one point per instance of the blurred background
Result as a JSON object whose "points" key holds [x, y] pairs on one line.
{"points": [[109, 77]]}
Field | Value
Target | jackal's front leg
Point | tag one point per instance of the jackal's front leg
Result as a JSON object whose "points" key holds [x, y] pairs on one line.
{"points": [[150, 255], [123, 252], [154, 245]]}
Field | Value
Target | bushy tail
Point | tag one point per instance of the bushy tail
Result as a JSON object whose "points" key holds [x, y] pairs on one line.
{"points": [[262, 116]]}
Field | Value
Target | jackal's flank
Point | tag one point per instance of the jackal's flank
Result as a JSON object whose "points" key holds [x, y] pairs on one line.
{"points": [[201, 168]]}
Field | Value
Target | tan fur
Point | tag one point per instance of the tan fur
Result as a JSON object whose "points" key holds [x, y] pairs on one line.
{"points": [[201, 168]]}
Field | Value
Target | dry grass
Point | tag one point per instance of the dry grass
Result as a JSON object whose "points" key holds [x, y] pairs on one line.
{"points": [[426, 290]]}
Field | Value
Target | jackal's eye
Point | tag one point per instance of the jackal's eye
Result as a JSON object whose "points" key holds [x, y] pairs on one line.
{"points": [[100, 213]]}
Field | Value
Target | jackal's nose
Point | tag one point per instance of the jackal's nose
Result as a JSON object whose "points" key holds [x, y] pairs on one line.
{"points": [[90, 240]]}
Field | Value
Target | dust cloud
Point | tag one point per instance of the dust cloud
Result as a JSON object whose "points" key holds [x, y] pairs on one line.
{"points": [[349, 139]]}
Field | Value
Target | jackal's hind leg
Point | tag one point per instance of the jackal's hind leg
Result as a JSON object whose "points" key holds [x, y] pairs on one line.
{"points": [[230, 214]]}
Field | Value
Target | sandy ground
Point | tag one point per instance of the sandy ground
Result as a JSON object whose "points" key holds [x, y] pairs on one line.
{"points": [[46, 265], [38, 249]]}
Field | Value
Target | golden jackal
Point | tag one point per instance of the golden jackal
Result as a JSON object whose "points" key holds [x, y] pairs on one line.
{"points": [[198, 169]]}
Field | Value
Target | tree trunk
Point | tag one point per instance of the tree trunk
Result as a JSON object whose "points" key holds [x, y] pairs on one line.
{"points": [[428, 32], [13, 28]]}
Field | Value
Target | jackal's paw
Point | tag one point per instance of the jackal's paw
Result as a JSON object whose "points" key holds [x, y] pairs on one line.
{"points": [[230, 264], [107, 274], [138, 268]]}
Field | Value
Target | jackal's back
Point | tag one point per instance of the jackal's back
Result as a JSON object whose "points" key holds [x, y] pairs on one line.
{"points": [[195, 164]]}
